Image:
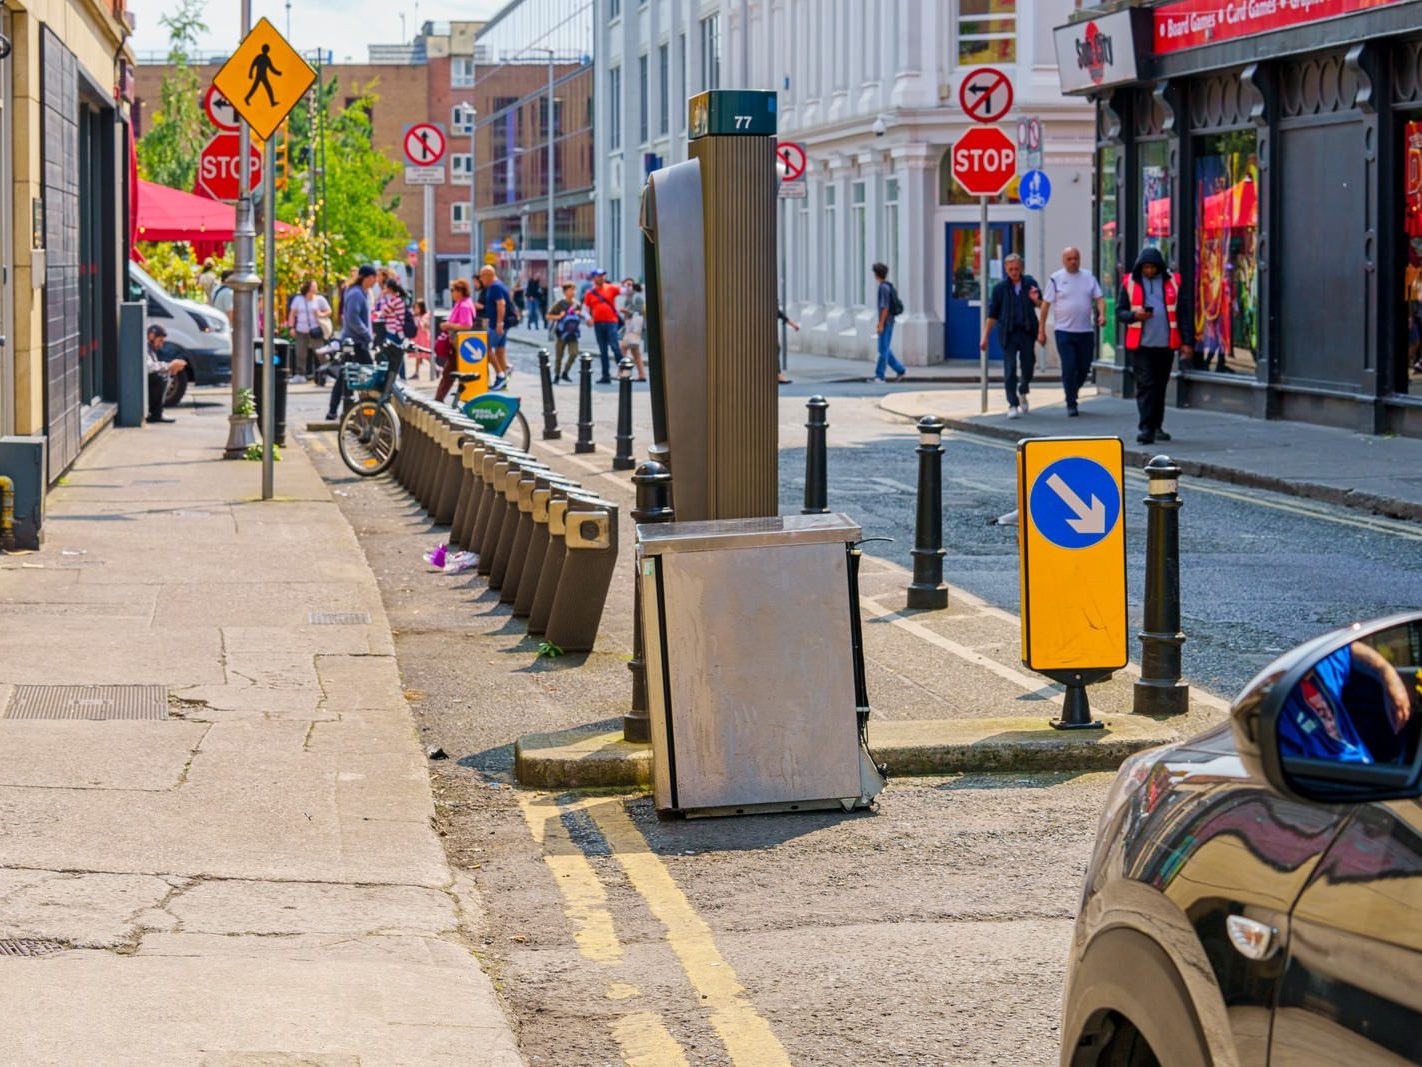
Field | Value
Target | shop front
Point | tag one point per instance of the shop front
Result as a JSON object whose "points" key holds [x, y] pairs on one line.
{"points": [[1273, 153]]}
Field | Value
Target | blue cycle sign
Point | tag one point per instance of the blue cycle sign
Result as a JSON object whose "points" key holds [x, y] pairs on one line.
{"points": [[1034, 189], [1075, 503]]}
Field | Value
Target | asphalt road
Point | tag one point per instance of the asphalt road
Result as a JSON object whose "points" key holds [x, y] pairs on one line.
{"points": [[1260, 572]]}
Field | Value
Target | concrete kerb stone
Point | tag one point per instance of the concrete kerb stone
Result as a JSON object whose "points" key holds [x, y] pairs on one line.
{"points": [[600, 759]]}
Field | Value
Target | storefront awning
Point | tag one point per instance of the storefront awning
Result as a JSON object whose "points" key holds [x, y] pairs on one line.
{"points": [[172, 215]]}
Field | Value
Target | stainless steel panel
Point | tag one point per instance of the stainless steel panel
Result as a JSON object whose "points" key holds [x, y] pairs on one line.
{"points": [[657, 539]]}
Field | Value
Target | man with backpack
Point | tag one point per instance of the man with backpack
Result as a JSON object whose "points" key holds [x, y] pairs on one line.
{"points": [[502, 315], [890, 308], [601, 302]]}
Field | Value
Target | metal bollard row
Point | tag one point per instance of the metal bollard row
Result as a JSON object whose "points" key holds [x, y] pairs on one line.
{"points": [[547, 545]]}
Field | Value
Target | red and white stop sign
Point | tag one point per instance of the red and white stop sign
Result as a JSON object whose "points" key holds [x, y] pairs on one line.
{"points": [[984, 160], [218, 173]]}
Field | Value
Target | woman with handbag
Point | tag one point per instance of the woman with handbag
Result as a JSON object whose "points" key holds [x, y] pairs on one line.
{"points": [[461, 317], [422, 337], [309, 319]]}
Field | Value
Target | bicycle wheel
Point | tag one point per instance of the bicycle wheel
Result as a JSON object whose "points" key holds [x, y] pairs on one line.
{"points": [[369, 437], [517, 434]]}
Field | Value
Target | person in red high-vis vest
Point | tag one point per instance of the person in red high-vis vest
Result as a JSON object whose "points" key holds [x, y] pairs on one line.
{"points": [[1158, 323]]}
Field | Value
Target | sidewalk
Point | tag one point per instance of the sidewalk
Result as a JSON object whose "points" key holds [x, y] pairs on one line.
{"points": [[1382, 474], [231, 859]]}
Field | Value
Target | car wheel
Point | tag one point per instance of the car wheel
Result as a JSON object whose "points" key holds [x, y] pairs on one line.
{"points": [[177, 389], [1126, 1047]]}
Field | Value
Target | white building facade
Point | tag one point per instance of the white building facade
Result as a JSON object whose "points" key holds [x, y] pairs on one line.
{"points": [[869, 88]]}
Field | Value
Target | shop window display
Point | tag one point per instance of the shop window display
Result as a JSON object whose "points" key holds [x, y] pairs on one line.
{"points": [[1108, 271], [1226, 266], [1409, 379], [1154, 165]]}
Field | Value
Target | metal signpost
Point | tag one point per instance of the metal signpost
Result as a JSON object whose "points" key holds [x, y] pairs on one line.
{"points": [[1029, 145], [263, 81], [425, 145], [791, 162], [979, 165], [1071, 542]]}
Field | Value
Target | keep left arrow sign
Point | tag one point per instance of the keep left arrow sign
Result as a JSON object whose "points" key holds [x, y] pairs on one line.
{"points": [[1089, 520]]}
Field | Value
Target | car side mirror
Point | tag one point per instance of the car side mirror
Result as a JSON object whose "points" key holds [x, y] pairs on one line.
{"points": [[1339, 719]]}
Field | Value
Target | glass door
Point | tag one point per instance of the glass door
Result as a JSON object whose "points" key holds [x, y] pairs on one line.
{"points": [[964, 325]]}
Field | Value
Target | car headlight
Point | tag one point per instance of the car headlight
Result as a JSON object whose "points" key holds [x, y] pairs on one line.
{"points": [[1134, 773]]}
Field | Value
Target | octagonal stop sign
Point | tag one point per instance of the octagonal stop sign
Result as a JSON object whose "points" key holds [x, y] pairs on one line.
{"points": [[984, 160], [219, 174]]}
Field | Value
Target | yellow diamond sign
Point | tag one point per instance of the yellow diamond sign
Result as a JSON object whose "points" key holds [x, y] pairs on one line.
{"points": [[264, 79]]}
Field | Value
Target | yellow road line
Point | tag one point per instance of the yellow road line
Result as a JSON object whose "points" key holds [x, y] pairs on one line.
{"points": [[646, 1042], [584, 899], [747, 1037]]}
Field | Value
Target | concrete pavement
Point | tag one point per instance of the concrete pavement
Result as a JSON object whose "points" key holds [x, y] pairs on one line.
{"points": [[249, 875]]}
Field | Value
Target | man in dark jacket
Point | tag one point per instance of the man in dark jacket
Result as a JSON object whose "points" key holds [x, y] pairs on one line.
{"points": [[1156, 312], [1012, 308]]}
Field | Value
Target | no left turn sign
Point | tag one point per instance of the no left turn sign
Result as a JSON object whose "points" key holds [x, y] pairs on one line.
{"points": [[424, 144], [986, 94]]}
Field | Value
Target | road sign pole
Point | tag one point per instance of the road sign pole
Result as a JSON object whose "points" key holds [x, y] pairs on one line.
{"points": [[428, 259], [241, 429], [784, 296], [984, 277], [269, 370]]}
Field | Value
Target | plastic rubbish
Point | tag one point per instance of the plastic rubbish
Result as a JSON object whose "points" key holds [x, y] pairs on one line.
{"points": [[436, 556]]}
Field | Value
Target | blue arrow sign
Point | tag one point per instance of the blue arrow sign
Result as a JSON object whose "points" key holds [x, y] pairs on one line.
{"points": [[473, 350], [1074, 503], [1034, 190]]}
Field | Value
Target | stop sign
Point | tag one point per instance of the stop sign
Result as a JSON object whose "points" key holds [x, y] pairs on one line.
{"points": [[218, 174], [984, 160]]}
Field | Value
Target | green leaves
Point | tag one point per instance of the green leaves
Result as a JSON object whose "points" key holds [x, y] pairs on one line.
{"points": [[168, 153], [548, 650]]}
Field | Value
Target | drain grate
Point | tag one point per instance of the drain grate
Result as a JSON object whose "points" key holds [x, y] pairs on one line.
{"points": [[338, 618], [28, 946], [88, 702]]}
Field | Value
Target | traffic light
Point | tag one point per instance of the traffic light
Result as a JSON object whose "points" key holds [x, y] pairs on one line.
{"points": [[282, 144]]}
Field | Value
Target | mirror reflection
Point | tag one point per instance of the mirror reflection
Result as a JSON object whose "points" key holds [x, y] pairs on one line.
{"points": [[1359, 705]]}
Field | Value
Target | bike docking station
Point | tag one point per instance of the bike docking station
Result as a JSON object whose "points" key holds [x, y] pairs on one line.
{"points": [[749, 620], [1071, 540]]}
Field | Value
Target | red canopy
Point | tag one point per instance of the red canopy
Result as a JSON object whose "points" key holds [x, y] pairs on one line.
{"points": [[171, 215]]}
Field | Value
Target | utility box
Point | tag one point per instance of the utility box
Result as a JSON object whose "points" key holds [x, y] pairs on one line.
{"points": [[752, 656], [22, 460], [132, 365]]}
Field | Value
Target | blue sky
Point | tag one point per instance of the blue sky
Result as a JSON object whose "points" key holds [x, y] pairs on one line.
{"points": [[344, 27]]}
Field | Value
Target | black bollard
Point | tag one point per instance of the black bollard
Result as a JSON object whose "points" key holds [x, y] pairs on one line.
{"points": [[654, 505], [550, 409], [927, 589], [816, 465], [623, 461], [585, 419], [1159, 690]]}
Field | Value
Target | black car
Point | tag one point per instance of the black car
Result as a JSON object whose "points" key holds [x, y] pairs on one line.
{"points": [[1255, 894]]}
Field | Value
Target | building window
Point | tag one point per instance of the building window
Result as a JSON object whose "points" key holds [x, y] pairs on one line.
{"points": [[459, 217], [803, 284], [614, 8], [614, 224], [663, 89], [460, 168], [614, 108], [711, 52], [461, 72], [1154, 174], [890, 237], [461, 119], [987, 32], [681, 96], [1409, 377], [1108, 271], [951, 194], [859, 234], [644, 100], [1226, 268], [828, 232]]}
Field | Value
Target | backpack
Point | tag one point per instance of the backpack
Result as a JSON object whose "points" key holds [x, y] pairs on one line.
{"points": [[570, 326], [896, 306], [408, 325]]}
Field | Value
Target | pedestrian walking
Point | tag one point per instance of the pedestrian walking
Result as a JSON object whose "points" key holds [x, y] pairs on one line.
{"points": [[566, 317], [781, 377], [422, 337], [634, 317], [307, 318], [461, 317], [207, 280], [601, 302], [890, 308], [161, 365], [535, 300], [356, 328], [395, 316], [1158, 324], [499, 309], [1074, 299], [1012, 309]]}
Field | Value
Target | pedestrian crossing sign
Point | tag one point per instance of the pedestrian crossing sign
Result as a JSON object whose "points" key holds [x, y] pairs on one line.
{"points": [[1071, 537], [264, 79]]}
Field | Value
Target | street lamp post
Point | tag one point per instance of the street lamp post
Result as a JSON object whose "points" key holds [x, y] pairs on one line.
{"points": [[473, 114], [241, 429], [552, 281]]}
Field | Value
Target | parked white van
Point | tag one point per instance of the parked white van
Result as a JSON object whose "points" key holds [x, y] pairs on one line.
{"points": [[200, 333]]}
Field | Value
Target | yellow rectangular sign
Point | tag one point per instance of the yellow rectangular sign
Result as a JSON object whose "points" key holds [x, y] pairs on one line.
{"points": [[471, 352], [1071, 541], [264, 79]]}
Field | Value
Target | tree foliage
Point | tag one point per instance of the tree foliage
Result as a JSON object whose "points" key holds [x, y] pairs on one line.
{"points": [[168, 152]]}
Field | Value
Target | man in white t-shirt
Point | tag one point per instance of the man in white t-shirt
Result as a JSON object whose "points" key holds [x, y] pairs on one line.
{"points": [[1074, 299]]}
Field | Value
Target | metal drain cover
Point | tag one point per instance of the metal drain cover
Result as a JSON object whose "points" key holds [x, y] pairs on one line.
{"points": [[88, 702], [28, 946], [338, 618]]}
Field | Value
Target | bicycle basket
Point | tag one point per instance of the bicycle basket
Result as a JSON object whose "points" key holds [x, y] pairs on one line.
{"points": [[363, 376]]}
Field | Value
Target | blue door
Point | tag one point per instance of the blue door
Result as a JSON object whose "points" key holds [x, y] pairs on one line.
{"points": [[964, 325]]}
